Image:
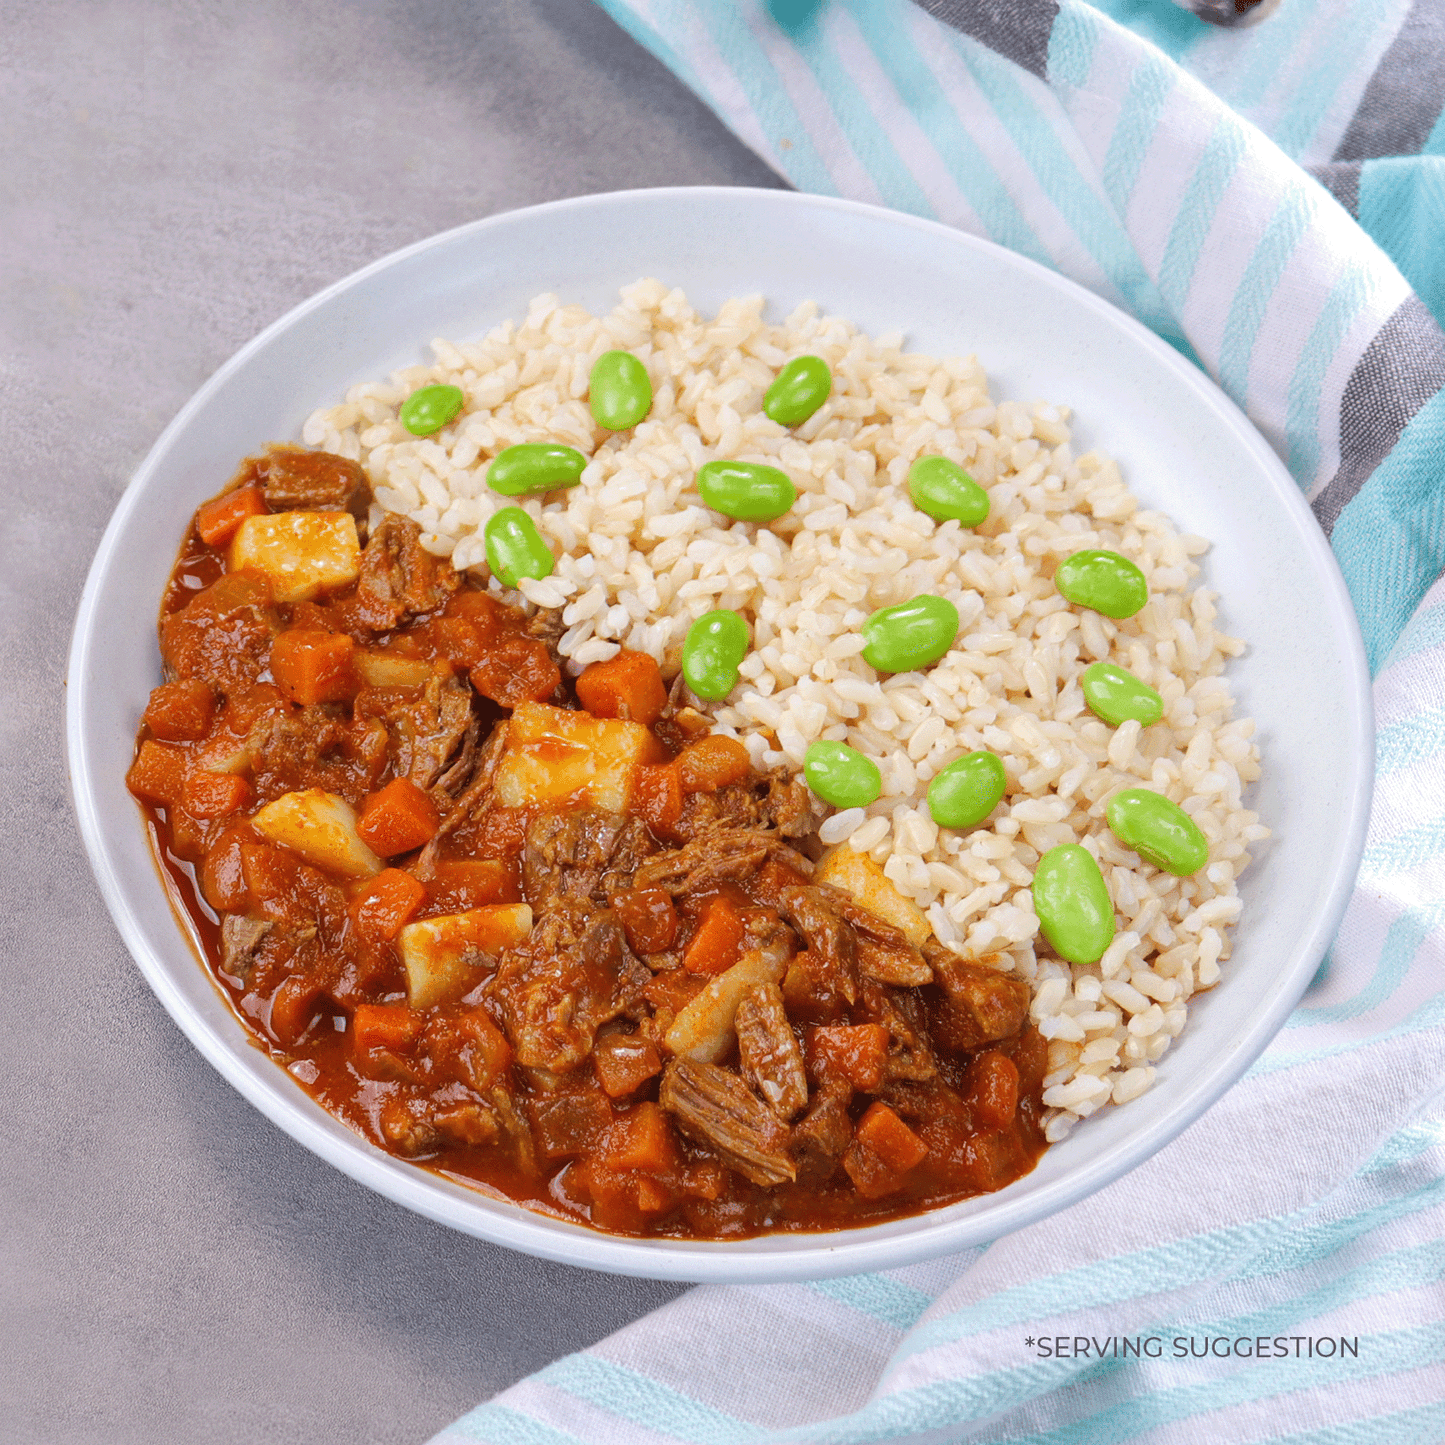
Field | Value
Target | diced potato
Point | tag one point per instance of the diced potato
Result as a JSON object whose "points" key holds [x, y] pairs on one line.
{"points": [[553, 753], [858, 874], [302, 554], [388, 669], [703, 1031], [320, 827], [445, 957]]}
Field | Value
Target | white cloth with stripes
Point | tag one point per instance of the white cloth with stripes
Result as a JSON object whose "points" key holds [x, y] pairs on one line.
{"points": [[1162, 163]]}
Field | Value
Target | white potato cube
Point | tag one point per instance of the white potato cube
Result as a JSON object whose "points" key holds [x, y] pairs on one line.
{"points": [[552, 754], [320, 827], [446, 957], [858, 874], [703, 1030], [389, 669], [302, 554]]}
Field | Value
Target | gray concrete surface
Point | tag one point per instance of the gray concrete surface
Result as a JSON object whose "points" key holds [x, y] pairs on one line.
{"points": [[173, 176]]}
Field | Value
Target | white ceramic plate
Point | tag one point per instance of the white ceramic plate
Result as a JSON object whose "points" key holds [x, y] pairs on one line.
{"points": [[1183, 446]]}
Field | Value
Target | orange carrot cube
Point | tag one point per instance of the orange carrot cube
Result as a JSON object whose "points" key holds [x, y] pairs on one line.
{"points": [[855, 1052], [218, 519], [311, 667], [628, 685], [890, 1138], [718, 940], [397, 819], [386, 904], [712, 763], [642, 1139], [656, 796], [180, 711], [214, 795], [158, 774]]}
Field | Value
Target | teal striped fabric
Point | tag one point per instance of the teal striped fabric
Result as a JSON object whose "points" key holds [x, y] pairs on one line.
{"points": [[1268, 198]]}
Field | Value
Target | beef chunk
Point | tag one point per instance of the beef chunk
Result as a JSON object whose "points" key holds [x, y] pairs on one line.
{"points": [[547, 627], [772, 1062], [979, 1005], [571, 856], [776, 801], [223, 635], [910, 1054], [399, 578], [571, 975], [832, 943], [425, 733], [712, 1106], [822, 1136], [314, 747], [296, 480], [902, 966], [715, 857], [240, 938]]}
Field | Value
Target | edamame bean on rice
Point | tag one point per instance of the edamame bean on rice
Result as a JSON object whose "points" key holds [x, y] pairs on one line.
{"points": [[640, 558]]}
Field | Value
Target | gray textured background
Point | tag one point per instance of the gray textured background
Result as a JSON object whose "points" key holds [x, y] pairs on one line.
{"points": [[172, 178]]}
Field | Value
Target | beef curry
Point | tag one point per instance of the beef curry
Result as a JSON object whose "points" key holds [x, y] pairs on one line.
{"points": [[552, 937]]}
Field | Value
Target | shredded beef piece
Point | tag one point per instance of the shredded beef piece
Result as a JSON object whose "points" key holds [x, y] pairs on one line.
{"points": [[573, 855], [910, 1054], [714, 1107], [240, 938], [903, 967], [832, 943], [571, 975], [716, 857], [296, 480], [546, 626], [399, 578], [768, 1049], [313, 747], [822, 1136], [980, 1005], [775, 801], [426, 732], [223, 635]]}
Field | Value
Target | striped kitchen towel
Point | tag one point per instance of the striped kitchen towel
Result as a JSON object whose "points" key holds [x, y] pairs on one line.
{"points": [[1267, 197]]}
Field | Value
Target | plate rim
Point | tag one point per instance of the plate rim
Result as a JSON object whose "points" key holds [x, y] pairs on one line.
{"points": [[772, 1258]]}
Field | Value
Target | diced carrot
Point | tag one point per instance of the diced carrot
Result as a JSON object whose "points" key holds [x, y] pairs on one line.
{"points": [[466, 883], [515, 670], [214, 795], [293, 1006], [180, 711], [624, 1062], [471, 1045], [641, 1139], [772, 878], [397, 819], [480, 609], [654, 1196], [311, 667], [718, 940], [712, 763], [217, 520], [890, 1138], [223, 885], [704, 1178], [855, 1052], [992, 1081], [391, 1026], [872, 1178], [386, 904], [648, 918], [628, 685], [656, 796], [457, 640], [158, 774]]}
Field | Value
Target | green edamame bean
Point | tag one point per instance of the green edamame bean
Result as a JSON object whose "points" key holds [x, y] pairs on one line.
{"points": [[515, 548], [715, 644], [1103, 581], [968, 790], [430, 408], [619, 390], [1116, 696], [748, 491], [946, 492], [798, 390], [911, 635], [1073, 904], [535, 467], [1159, 831], [841, 775]]}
